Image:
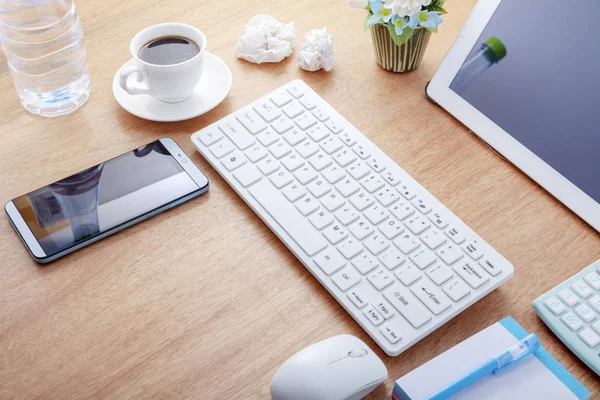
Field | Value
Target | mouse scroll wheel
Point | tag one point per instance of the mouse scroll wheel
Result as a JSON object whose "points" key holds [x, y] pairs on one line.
{"points": [[358, 353]]}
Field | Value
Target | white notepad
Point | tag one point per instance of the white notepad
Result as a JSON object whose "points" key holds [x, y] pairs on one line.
{"points": [[539, 376]]}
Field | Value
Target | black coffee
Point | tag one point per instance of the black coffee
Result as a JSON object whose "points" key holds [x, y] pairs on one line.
{"points": [[169, 50]]}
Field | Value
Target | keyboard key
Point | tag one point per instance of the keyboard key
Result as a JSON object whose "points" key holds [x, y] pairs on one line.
{"points": [[292, 162], [595, 303], [585, 313], [319, 188], [439, 221], [282, 125], [318, 133], [365, 263], [347, 187], [350, 248], [294, 136], [372, 183], [348, 139], [407, 243], [320, 161], [251, 121], [256, 153], [280, 150], [346, 215], [417, 224], [321, 219], [408, 274], [361, 229], [358, 170], [361, 151], [361, 200], [333, 201], [391, 333], [456, 289], [402, 210], [376, 214], [294, 192], [474, 249], [320, 115], [281, 98], [292, 110], [358, 296], [333, 126], [267, 111], [335, 233], [423, 258], [472, 273], [450, 254], [439, 274], [334, 174], [297, 227], [210, 136], [431, 296], [582, 289], [308, 205], [381, 279], [268, 166], [593, 279], [237, 133], [568, 297], [281, 179], [233, 161], [344, 157], [331, 145], [387, 196], [307, 149], [375, 164], [589, 337], [392, 259], [305, 121], [330, 261], [456, 235], [296, 90], [373, 315], [406, 191], [305, 175], [391, 177], [222, 148], [307, 103], [421, 205], [407, 305], [247, 176], [384, 308], [433, 239], [490, 266], [392, 228], [267, 137], [596, 326], [346, 278], [376, 244], [554, 305], [572, 321]]}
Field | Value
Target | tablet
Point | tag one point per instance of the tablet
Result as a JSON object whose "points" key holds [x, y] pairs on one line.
{"points": [[524, 76]]}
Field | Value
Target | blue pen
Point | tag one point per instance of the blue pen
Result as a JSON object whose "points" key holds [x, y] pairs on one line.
{"points": [[510, 357]]}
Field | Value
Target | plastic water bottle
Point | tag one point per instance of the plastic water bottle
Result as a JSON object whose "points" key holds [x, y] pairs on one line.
{"points": [[490, 53], [42, 41]]}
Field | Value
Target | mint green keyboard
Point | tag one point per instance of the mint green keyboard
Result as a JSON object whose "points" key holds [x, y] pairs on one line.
{"points": [[572, 311]]}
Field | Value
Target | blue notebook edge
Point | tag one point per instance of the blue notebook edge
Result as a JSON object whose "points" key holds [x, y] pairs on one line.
{"points": [[511, 325]]}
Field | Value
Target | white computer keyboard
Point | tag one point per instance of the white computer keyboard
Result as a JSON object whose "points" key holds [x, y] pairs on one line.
{"points": [[391, 254]]}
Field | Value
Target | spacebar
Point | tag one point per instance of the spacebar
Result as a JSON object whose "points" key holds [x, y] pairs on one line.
{"points": [[290, 219]]}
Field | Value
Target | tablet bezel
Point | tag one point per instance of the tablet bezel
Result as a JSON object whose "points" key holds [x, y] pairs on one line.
{"points": [[523, 158]]}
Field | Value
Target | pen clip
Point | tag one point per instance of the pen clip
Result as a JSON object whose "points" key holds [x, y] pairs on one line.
{"points": [[516, 353]]}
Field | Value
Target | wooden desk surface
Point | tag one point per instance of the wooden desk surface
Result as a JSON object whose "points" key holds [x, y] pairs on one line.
{"points": [[166, 309]]}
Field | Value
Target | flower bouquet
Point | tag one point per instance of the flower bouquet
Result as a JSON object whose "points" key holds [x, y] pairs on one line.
{"points": [[401, 29]]}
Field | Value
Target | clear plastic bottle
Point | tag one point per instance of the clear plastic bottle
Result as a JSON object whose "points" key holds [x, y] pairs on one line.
{"points": [[490, 53], [42, 41]]}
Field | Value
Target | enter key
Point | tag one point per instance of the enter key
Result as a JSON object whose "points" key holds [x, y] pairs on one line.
{"points": [[431, 296]]}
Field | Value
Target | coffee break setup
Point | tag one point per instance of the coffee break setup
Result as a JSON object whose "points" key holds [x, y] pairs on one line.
{"points": [[397, 260]]}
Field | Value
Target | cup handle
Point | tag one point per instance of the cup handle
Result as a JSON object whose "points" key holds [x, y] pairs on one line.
{"points": [[140, 77]]}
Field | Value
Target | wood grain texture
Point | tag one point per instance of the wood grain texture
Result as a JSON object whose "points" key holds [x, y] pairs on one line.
{"points": [[204, 301]]}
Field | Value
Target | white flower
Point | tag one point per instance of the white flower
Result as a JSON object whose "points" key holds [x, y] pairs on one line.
{"points": [[358, 3], [404, 8]]}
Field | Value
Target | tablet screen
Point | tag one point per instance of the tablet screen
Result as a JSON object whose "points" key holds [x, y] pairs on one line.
{"points": [[535, 72]]}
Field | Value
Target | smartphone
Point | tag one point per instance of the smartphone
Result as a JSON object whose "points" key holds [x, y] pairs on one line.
{"points": [[79, 210]]}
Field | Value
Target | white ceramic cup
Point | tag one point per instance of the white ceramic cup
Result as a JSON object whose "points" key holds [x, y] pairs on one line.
{"points": [[169, 83]]}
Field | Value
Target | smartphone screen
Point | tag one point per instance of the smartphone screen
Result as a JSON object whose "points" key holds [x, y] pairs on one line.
{"points": [[105, 196]]}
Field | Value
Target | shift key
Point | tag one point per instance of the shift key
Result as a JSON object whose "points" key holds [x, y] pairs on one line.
{"points": [[407, 305]]}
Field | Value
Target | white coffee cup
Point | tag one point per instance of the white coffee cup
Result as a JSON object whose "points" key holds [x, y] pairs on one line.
{"points": [[169, 83]]}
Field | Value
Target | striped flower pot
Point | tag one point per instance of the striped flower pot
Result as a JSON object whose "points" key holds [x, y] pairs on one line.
{"points": [[396, 58]]}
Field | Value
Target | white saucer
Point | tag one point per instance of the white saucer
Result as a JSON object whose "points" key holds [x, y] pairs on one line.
{"points": [[209, 93]]}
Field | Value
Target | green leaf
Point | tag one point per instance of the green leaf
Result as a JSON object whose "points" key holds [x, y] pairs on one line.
{"points": [[365, 24], [400, 39]]}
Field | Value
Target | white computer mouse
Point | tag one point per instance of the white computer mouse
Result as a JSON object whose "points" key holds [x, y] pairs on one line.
{"points": [[339, 368]]}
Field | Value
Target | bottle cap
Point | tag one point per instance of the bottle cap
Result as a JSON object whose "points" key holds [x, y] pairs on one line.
{"points": [[497, 47]]}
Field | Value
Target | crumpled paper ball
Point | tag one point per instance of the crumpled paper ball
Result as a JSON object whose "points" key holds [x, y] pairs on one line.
{"points": [[266, 40], [317, 51]]}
